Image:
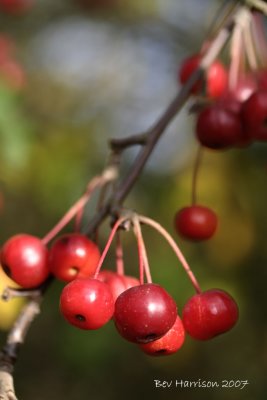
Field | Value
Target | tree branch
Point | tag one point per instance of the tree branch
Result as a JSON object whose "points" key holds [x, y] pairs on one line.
{"points": [[155, 132], [118, 145]]}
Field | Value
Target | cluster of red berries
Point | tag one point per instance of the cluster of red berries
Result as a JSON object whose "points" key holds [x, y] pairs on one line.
{"points": [[235, 116], [143, 313], [231, 111], [11, 71]]}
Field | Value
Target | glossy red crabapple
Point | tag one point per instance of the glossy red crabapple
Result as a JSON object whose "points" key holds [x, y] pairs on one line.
{"points": [[215, 80], [144, 313], [168, 344], [187, 68], [245, 86], [73, 256], [117, 283], [24, 259], [209, 314], [87, 303], [254, 115], [196, 222], [218, 128]]}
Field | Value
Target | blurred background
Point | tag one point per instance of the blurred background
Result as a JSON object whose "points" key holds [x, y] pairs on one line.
{"points": [[74, 73]]}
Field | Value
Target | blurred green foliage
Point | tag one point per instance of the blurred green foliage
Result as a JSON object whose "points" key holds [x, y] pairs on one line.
{"points": [[53, 139]]}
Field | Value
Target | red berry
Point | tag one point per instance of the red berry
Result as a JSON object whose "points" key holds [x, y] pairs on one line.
{"points": [[73, 256], [216, 76], [261, 77], [130, 281], [218, 128], [254, 115], [187, 68], [117, 283], [196, 222], [144, 313], [229, 102], [217, 79], [168, 344], [87, 303], [209, 314], [244, 88], [24, 259]]}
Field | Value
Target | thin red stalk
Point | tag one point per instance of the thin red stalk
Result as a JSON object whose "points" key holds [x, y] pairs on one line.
{"points": [[236, 56], [250, 46], [142, 248], [259, 37], [119, 255], [140, 262], [106, 249], [175, 248], [78, 220], [76, 208]]}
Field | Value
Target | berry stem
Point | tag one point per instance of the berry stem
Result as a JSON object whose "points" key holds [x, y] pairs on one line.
{"points": [[236, 55], [108, 244], [260, 5], [176, 249], [108, 175], [76, 208], [140, 261], [143, 259], [195, 174], [119, 255], [259, 38], [249, 45], [226, 9]]}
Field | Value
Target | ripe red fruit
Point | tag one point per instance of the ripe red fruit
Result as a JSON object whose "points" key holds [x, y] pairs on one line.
{"points": [[216, 76], [130, 281], [73, 256], [217, 79], [209, 314], [254, 115], [24, 259], [117, 283], [144, 313], [196, 222], [244, 88], [168, 344], [261, 77], [218, 128], [229, 102], [187, 68], [87, 303]]}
